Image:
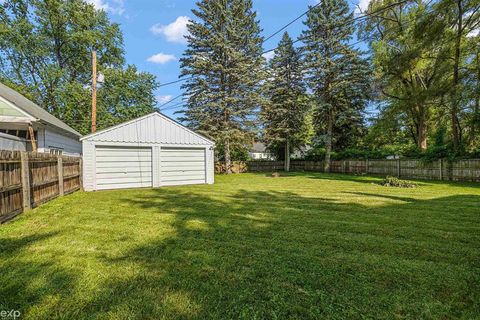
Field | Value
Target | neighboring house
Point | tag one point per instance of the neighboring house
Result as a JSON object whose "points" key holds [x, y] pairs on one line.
{"points": [[151, 151], [259, 152], [20, 117]]}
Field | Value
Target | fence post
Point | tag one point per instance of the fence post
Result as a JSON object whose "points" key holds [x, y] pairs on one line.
{"points": [[398, 168], [60, 175], [441, 169], [344, 165], [25, 181], [366, 166]]}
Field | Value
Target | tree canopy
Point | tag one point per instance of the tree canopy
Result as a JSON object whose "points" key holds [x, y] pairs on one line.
{"points": [[45, 53]]}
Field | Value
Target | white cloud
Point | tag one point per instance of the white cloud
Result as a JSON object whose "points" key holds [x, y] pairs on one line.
{"points": [[175, 31], [113, 6], [163, 99], [362, 6], [269, 55], [161, 58]]}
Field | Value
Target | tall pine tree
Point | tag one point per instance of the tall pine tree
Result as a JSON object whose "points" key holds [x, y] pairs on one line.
{"points": [[336, 73], [285, 114], [224, 64]]}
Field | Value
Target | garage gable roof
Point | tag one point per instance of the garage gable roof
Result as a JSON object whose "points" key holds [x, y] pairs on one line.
{"points": [[151, 128]]}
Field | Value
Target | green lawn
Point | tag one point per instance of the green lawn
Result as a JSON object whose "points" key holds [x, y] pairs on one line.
{"points": [[251, 247]]}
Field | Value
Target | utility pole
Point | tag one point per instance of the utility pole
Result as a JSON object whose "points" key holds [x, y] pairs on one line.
{"points": [[94, 91]]}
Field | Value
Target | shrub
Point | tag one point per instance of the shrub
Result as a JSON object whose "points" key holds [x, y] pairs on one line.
{"points": [[395, 182]]}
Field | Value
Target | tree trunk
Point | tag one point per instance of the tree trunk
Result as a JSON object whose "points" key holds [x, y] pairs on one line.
{"points": [[287, 156], [228, 160], [328, 143], [456, 134], [422, 134]]}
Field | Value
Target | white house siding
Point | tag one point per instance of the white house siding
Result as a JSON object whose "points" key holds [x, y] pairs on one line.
{"points": [[161, 136], [9, 142], [49, 138]]}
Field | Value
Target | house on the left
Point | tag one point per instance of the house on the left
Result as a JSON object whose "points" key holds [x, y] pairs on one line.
{"points": [[26, 126]]}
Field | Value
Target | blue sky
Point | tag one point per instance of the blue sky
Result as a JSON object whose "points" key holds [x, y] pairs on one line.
{"points": [[153, 32]]}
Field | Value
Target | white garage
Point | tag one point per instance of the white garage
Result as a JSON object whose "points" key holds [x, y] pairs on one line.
{"points": [[151, 151]]}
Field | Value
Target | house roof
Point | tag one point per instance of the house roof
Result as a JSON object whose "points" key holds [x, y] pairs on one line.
{"points": [[33, 109], [152, 135]]}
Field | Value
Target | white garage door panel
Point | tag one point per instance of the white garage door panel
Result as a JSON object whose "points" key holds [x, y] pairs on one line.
{"points": [[183, 166], [123, 168]]}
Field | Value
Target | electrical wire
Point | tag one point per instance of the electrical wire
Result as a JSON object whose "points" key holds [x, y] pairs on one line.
{"points": [[358, 18]]}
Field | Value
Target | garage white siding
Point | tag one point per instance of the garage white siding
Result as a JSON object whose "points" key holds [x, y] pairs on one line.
{"points": [[151, 151], [118, 167], [183, 166]]}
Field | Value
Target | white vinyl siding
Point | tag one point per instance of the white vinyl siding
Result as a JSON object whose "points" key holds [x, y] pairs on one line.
{"points": [[120, 167], [182, 166], [51, 139]]}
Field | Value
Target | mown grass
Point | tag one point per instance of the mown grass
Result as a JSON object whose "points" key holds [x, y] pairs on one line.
{"points": [[302, 246]]}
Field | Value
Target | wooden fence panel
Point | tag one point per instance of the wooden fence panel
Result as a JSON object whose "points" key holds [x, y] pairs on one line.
{"points": [[459, 170], [264, 166], [356, 166], [11, 201], [417, 169], [29, 179], [464, 170], [44, 180], [383, 167], [71, 174]]}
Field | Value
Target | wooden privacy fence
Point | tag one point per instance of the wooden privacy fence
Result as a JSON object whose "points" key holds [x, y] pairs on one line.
{"points": [[458, 170], [29, 179]]}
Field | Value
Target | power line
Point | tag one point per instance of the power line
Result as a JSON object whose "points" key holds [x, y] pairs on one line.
{"points": [[172, 82], [170, 101], [291, 22], [182, 104], [263, 42], [363, 16]]}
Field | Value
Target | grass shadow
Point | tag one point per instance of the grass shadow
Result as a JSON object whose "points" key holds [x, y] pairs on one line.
{"points": [[223, 252]]}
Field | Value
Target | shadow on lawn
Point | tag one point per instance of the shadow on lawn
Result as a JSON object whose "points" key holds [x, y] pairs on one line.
{"points": [[25, 283], [266, 254], [279, 255]]}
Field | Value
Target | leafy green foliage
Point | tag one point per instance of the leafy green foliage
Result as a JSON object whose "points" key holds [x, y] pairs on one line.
{"points": [[396, 182], [285, 114], [45, 53], [224, 64], [425, 69], [337, 73]]}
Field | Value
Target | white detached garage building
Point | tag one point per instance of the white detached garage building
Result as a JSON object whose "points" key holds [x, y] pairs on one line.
{"points": [[151, 151]]}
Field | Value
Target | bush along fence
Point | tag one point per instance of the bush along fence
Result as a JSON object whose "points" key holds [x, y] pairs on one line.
{"points": [[30, 179], [458, 170]]}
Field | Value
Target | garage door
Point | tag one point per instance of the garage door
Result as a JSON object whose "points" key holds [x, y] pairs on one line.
{"points": [[182, 166], [123, 167]]}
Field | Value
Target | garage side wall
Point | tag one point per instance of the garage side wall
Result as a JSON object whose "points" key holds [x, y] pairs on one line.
{"points": [[88, 165]]}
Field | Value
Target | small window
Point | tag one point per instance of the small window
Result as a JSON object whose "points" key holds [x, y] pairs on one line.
{"points": [[56, 151]]}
